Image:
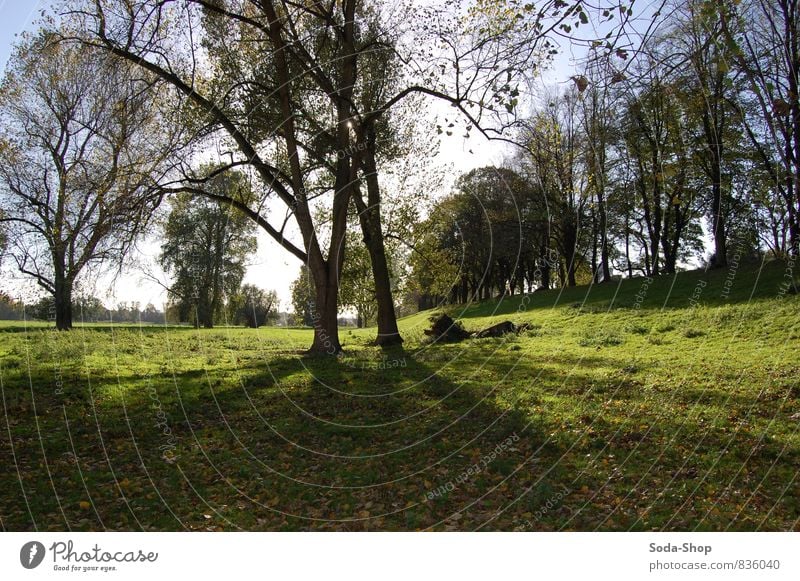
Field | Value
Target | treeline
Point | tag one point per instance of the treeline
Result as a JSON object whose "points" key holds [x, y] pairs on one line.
{"points": [[247, 308], [86, 309], [10, 309], [695, 138]]}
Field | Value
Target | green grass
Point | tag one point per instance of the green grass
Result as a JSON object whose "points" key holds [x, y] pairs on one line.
{"points": [[632, 406]]}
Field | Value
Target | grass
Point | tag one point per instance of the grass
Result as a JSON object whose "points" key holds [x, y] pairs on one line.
{"points": [[669, 404]]}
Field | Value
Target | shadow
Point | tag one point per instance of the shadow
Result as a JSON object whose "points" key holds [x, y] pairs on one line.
{"points": [[376, 440], [446, 437]]}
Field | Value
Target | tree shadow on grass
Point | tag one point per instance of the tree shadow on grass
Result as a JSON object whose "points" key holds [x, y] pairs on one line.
{"points": [[377, 440]]}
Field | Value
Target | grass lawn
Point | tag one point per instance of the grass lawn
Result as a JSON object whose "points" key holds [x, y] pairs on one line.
{"points": [[669, 404]]}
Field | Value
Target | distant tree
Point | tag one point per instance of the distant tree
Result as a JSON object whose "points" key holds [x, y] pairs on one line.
{"points": [[253, 306], [43, 309], [90, 308], [657, 143], [205, 247], [357, 285], [434, 269], [126, 312], [303, 295], [708, 96], [82, 142], [598, 127], [357, 289], [483, 238], [10, 309], [151, 314]]}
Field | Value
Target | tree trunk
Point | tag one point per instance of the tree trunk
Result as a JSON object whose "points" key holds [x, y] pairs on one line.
{"points": [[792, 194], [571, 274], [720, 233], [63, 303], [372, 229], [604, 254], [216, 291], [203, 317], [595, 245], [628, 255], [324, 312], [713, 128], [648, 265], [628, 246], [571, 254], [545, 268]]}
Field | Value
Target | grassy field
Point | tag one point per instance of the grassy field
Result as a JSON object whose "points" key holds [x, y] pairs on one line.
{"points": [[666, 404]]}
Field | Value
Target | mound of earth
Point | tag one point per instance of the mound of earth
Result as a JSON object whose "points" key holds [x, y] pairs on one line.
{"points": [[444, 328]]}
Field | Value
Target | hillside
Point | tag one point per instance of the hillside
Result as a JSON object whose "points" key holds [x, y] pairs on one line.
{"points": [[748, 283]]}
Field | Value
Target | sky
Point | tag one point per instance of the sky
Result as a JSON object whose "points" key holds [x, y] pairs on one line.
{"points": [[271, 267], [16, 16]]}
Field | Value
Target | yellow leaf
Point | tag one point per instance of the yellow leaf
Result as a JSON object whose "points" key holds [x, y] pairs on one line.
{"points": [[84, 505]]}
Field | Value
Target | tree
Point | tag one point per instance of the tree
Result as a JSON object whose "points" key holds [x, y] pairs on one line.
{"points": [[435, 268], [91, 308], [151, 314], [286, 85], [285, 107], [709, 100], [253, 306], [554, 165], [656, 142], [357, 289], [483, 238], [205, 247], [303, 296], [598, 128], [82, 143], [10, 309]]}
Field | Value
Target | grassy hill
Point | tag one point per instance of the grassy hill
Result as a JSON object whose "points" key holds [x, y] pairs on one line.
{"points": [[669, 403]]}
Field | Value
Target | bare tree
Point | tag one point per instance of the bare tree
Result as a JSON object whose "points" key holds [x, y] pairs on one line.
{"points": [[82, 145]]}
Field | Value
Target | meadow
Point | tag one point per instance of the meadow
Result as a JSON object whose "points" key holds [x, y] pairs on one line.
{"points": [[650, 404]]}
